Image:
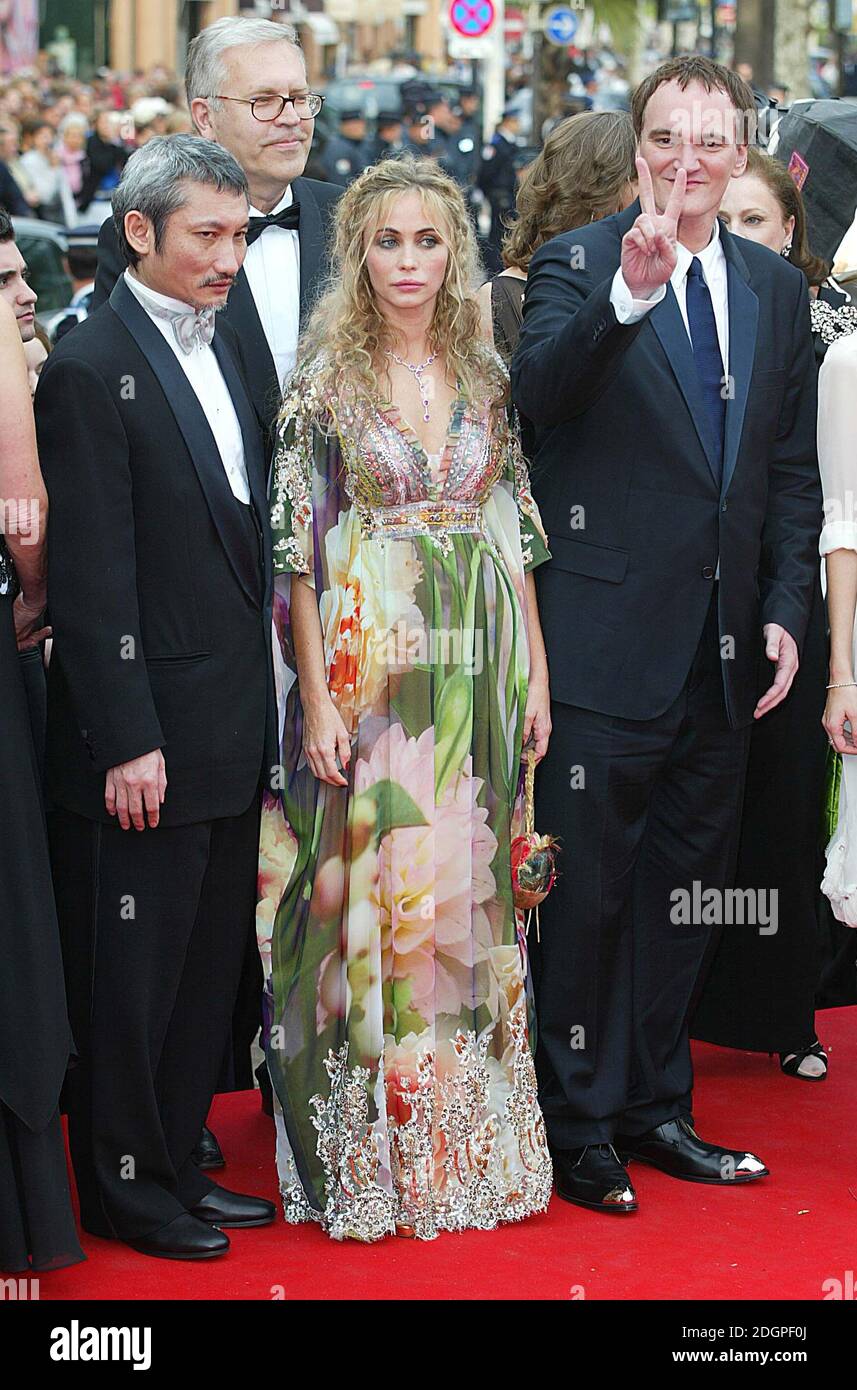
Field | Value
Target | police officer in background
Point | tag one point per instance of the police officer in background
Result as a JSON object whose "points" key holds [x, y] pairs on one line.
{"points": [[446, 126], [345, 155], [388, 140], [420, 138], [497, 180], [469, 138]]}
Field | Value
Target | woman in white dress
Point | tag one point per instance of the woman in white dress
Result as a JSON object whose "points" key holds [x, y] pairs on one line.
{"points": [[837, 430]]}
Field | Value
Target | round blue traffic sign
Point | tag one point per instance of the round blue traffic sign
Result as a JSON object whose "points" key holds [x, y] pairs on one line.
{"points": [[561, 25]]}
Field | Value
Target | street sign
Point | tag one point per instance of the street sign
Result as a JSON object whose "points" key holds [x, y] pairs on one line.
{"points": [[471, 18], [560, 26]]}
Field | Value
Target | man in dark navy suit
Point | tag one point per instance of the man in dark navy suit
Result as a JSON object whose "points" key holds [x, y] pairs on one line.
{"points": [[160, 696], [667, 370]]}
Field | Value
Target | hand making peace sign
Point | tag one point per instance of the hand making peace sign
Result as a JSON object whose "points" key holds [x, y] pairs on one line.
{"points": [[648, 249]]}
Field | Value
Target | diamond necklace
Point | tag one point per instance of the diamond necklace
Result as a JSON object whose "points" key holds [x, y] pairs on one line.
{"points": [[417, 374]]}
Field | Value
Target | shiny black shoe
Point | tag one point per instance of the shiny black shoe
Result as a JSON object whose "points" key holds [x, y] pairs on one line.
{"points": [[224, 1208], [593, 1177], [185, 1238], [208, 1153], [677, 1150]]}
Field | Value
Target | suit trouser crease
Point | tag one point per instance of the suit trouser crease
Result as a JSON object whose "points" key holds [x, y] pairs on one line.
{"points": [[614, 973], [154, 944]]}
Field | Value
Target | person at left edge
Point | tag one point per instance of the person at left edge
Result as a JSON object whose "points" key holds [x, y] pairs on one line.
{"points": [[160, 696], [232, 66]]}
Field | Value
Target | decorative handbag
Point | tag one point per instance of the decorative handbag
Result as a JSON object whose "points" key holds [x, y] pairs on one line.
{"points": [[533, 855]]}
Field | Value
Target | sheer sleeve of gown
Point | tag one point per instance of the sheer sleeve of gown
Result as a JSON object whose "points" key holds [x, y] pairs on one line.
{"points": [[837, 430]]}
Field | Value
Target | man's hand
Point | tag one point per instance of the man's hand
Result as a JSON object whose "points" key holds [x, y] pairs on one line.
{"points": [[27, 617], [136, 789], [649, 248], [780, 647]]}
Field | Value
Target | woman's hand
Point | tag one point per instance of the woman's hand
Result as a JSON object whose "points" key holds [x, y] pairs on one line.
{"points": [[26, 616], [325, 736], [841, 705], [537, 716]]}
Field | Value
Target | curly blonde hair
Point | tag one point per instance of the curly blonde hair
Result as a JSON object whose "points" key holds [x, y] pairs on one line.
{"points": [[347, 333]]}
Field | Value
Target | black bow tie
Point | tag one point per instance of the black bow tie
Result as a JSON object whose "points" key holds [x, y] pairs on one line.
{"points": [[288, 218]]}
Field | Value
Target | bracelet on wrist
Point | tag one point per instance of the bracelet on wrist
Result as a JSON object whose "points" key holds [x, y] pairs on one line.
{"points": [[840, 685]]}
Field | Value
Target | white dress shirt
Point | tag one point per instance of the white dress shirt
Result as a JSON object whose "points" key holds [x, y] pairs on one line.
{"points": [[629, 310], [202, 370], [273, 269]]}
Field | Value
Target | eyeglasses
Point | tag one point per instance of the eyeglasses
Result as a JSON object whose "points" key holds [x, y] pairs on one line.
{"points": [[270, 107]]}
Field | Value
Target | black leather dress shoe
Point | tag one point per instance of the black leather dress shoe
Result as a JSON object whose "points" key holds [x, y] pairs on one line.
{"points": [[185, 1238], [224, 1208], [593, 1177], [208, 1153], [677, 1149]]}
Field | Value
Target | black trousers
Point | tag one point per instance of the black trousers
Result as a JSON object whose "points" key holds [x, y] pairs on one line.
{"points": [[643, 808], [154, 930]]}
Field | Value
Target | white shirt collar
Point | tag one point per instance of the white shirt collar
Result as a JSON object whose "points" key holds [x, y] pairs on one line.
{"points": [[709, 257], [144, 293], [285, 202]]}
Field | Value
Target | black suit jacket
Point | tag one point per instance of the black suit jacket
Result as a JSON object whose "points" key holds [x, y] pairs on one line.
{"points": [[628, 492], [317, 203], [159, 587]]}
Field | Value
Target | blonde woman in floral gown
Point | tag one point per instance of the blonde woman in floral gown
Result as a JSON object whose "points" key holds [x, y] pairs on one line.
{"points": [[404, 536]]}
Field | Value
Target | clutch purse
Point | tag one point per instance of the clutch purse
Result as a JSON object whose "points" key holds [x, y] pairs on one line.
{"points": [[533, 856]]}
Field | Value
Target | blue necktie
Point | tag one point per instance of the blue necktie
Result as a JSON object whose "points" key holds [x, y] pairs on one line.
{"points": [[706, 355]]}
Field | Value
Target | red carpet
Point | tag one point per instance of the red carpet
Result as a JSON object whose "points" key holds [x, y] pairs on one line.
{"points": [[779, 1238]]}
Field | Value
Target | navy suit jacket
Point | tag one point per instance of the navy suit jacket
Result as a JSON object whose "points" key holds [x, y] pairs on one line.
{"points": [[629, 494]]}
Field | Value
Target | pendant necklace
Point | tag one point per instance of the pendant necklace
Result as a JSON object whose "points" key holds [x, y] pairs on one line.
{"points": [[417, 374]]}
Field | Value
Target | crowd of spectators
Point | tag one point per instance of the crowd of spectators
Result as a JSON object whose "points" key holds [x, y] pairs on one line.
{"points": [[64, 142]]}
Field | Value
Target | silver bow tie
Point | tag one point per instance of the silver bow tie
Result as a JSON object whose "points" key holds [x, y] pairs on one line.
{"points": [[192, 329]]}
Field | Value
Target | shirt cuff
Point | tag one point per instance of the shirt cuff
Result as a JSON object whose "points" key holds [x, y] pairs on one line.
{"points": [[627, 309]]}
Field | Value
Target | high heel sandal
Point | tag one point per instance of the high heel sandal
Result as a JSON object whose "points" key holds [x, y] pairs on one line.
{"points": [[790, 1062]]}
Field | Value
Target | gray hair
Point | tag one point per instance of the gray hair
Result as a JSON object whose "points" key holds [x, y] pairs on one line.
{"points": [[154, 181], [205, 70], [74, 118]]}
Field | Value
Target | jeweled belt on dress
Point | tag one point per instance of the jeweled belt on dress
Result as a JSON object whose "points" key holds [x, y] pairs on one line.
{"points": [[419, 518]]}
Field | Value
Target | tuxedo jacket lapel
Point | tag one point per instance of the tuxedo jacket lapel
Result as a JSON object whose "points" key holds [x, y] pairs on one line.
{"points": [[311, 238], [743, 329], [260, 369], [250, 430], [190, 418]]}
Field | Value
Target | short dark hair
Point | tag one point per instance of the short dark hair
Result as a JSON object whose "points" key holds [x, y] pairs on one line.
{"points": [[712, 76], [7, 231], [154, 182]]}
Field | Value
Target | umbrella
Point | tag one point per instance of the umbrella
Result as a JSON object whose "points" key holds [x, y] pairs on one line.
{"points": [[817, 141]]}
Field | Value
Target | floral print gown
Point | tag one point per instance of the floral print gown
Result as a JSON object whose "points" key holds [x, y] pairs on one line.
{"points": [[396, 1003]]}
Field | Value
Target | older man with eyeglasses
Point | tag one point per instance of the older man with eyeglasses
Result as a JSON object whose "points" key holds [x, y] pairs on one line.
{"points": [[247, 90]]}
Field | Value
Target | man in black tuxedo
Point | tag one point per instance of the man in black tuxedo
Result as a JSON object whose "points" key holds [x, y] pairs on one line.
{"points": [[667, 369], [160, 696], [238, 73], [247, 89]]}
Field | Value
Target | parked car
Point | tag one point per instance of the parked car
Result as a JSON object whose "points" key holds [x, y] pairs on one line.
{"points": [[43, 246]]}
